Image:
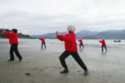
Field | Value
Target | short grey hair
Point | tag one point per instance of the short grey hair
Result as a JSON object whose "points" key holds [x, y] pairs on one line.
{"points": [[71, 28]]}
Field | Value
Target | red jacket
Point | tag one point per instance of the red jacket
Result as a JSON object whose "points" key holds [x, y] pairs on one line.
{"points": [[42, 40], [70, 42], [80, 41], [13, 37], [103, 42]]}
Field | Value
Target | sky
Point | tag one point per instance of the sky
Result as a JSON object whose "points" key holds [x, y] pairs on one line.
{"points": [[43, 16]]}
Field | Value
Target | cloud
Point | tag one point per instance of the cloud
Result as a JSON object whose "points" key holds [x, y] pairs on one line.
{"points": [[36, 16]]}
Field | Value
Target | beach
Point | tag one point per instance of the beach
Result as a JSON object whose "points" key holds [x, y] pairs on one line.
{"points": [[43, 66]]}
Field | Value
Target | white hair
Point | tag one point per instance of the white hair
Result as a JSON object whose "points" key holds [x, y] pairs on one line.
{"points": [[71, 28]]}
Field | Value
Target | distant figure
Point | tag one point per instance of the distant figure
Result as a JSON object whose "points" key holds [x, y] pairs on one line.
{"points": [[103, 45], [13, 40], [70, 49], [81, 45], [43, 43]]}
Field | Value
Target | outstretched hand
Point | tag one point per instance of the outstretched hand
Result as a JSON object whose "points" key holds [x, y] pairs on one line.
{"points": [[6, 30]]}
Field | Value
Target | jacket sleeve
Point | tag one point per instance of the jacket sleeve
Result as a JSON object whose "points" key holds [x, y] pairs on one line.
{"points": [[64, 38], [61, 37], [7, 34]]}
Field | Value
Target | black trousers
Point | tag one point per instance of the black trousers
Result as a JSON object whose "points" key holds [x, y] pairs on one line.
{"points": [[104, 47], [81, 46], [14, 49], [43, 45], [76, 56]]}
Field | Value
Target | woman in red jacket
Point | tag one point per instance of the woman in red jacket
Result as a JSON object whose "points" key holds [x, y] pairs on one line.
{"points": [[81, 45], [43, 43], [70, 49], [103, 45], [13, 40]]}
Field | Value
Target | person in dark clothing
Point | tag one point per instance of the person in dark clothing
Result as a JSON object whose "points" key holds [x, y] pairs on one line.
{"points": [[103, 45], [13, 40], [70, 49], [81, 45]]}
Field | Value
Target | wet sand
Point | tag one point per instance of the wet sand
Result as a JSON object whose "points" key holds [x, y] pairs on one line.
{"points": [[43, 66]]}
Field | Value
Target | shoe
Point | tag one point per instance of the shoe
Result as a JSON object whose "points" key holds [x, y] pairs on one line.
{"points": [[86, 73], [20, 59], [10, 60], [64, 71]]}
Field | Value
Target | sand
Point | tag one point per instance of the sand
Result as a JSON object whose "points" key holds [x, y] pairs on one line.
{"points": [[43, 66]]}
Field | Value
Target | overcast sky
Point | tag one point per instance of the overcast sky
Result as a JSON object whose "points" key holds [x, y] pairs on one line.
{"points": [[42, 16]]}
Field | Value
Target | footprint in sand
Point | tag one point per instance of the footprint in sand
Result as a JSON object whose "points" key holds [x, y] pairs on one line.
{"points": [[28, 74]]}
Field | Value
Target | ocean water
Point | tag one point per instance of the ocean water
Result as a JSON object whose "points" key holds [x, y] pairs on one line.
{"points": [[36, 42], [53, 45]]}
